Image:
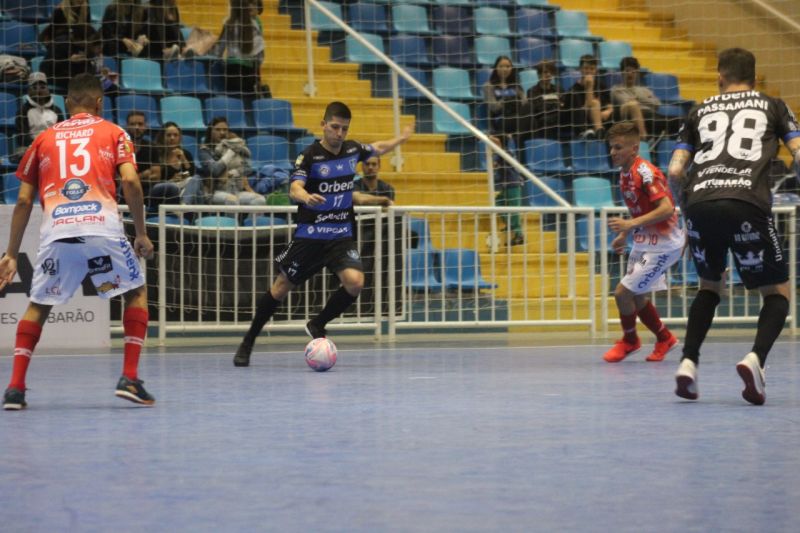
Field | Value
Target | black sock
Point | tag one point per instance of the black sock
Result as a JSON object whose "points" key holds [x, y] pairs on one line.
{"points": [[338, 303], [771, 320], [264, 310], [701, 314]]}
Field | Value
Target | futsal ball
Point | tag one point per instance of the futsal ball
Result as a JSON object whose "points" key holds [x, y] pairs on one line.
{"points": [[321, 354]]}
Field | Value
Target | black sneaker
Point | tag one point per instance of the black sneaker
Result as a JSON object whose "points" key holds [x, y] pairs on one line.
{"points": [[14, 400], [133, 390], [242, 357], [315, 331]]}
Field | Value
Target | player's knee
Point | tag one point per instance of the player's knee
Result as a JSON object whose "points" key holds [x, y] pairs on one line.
{"points": [[353, 283], [622, 293]]}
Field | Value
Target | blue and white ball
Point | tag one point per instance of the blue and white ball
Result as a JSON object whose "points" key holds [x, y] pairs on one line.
{"points": [[321, 354]]}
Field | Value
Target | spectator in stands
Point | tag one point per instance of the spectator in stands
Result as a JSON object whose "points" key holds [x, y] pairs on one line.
{"points": [[163, 30], [167, 171], [635, 102], [587, 104], [505, 97], [544, 104], [371, 185], [225, 164], [36, 113], [124, 29], [136, 126], [69, 40], [241, 43], [508, 184]]}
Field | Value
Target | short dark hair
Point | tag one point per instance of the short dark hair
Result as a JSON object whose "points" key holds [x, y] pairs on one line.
{"points": [[623, 129], [546, 66], [587, 59], [135, 113], [84, 89], [737, 65], [629, 62], [337, 109]]}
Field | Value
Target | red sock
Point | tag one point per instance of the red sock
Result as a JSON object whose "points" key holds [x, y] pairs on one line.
{"points": [[28, 333], [629, 328], [649, 317], [134, 323]]}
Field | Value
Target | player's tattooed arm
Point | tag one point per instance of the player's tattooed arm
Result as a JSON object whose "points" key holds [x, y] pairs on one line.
{"points": [[677, 165]]}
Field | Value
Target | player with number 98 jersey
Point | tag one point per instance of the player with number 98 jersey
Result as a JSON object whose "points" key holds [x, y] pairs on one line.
{"points": [[73, 165]]}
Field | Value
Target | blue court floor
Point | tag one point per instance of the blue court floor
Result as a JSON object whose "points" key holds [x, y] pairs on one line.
{"points": [[423, 436]]}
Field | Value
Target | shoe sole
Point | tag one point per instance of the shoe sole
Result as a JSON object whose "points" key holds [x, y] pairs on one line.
{"points": [[750, 392], [240, 363], [652, 359], [14, 406], [133, 398], [623, 357], [683, 383]]}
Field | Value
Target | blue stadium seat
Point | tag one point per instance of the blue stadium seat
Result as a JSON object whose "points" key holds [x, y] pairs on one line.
{"points": [[141, 75], [462, 270], [321, 22], [455, 2], [185, 111], [571, 50], [482, 76], [444, 123], [420, 233], [408, 91], [544, 157], [573, 24], [450, 83], [301, 143], [230, 108], [263, 220], [644, 151], [420, 274], [612, 52], [36, 12], [590, 157], [582, 234], [355, 52], [138, 102], [409, 50], [534, 3], [269, 150], [367, 17], [567, 78], [19, 39], [488, 48], [10, 188], [189, 142], [492, 21], [452, 20], [8, 110], [412, 19], [663, 153], [60, 102], [187, 76], [4, 147], [535, 23], [109, 108], [495, 3], [531, 50], [275, 116], [452, 50], [168, 219], [665, 86], [97, 8], [215, 221], [591, 191], [528, 78], [533, 195]]}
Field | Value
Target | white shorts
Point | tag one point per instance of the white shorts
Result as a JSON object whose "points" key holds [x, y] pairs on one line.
{"points": [[647, 270], [61, 267]]}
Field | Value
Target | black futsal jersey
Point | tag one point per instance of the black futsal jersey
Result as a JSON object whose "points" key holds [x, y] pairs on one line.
{"points": [[330, 175], [733, 137]]}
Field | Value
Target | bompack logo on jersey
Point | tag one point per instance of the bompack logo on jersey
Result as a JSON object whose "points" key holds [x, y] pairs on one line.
{"points": [[74, 189], [79, 208]]}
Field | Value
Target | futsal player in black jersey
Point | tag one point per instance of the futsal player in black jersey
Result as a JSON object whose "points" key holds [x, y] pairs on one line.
{"points": [[729, 141], [322, 185]]}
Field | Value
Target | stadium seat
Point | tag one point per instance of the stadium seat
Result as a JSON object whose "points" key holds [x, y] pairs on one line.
{"points": [[412, 19], [301, 143], [421, 270], [230, 108], [60, 102], [567, 78], [528, 78], [534, 196], [534, 3], [97, 8], [138, 102], [8, 110], [321, 22], [408, 91], [644, 151], [571, 50], [452, 20], [185, 111], [10, 188], [108, 109], [492, 21], [263, 220], [452, 50], [409, 50], [535, 23], [420, 233], [4, 147], [274, 115], [544, 157], [573, 24], [488, 48], [591, 191], [215, 221], [141, 75], [664, 151], [19, 39], [590, 157], [462, 270], [455, 2], [187, 76], [612, 52], [36, 12], [450, 83], [531, 50], [168, 219], [355, 52], [189, 142], [582, 234], [269, 150], [368, 17], [444, 123], [495, 3]]}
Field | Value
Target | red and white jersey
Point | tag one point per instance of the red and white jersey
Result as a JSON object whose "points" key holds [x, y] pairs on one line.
{"points": [[73, 165], [641, 188]]}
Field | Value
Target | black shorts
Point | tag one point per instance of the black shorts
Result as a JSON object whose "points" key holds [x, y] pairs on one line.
{"points": [[303, 258], [713, 227]]}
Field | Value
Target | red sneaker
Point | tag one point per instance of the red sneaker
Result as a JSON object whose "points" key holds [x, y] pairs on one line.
{"points": [[662, 348], [621, 350]]}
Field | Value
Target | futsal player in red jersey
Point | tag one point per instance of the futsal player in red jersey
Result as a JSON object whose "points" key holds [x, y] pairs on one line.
{"points": [[72, 166], [657, 243]]}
